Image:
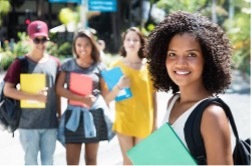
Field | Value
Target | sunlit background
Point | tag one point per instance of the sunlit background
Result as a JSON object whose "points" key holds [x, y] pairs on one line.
{"points": [[109, 18]]}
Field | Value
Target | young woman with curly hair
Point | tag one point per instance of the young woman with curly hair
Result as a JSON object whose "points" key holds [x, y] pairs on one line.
{"points": [[190, 55]]}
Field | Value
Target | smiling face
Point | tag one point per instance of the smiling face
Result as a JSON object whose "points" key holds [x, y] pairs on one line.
{"points": [[184, 60], [39, 44], [83, 47]]}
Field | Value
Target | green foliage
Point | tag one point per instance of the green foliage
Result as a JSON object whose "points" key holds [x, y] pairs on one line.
{"points": [[64, 49], [22, 46], [4, 8], [238, 30], [146, 31], [150, 27], [59, 50], [52, 48], [66, 15], [201, 6], [6, 60], [186, 5]]}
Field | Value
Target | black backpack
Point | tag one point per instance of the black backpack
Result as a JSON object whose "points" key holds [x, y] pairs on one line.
{"points": [[10, 110], [241, 154]]}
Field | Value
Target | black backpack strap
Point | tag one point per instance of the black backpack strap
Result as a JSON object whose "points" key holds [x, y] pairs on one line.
{"points": [[192, 132], [24, 64], [24, 69]]}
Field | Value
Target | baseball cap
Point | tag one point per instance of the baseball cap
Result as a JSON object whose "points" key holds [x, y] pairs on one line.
{"points": [[37, 28]]}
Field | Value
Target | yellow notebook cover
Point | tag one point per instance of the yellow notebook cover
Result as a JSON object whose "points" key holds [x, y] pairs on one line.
{"points": [[32, 83]]}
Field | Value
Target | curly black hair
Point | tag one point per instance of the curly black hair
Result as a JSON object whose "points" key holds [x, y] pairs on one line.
{"points": [[141, 54], [215, 47]]}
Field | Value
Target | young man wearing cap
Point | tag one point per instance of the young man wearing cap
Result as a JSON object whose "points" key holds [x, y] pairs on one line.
{"points": [[38, 126]]}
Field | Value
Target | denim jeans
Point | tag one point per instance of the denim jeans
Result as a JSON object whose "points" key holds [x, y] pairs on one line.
{"points": [[34, 141]]}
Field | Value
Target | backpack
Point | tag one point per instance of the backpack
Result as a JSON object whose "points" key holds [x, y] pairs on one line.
{"points": [[241, 154], [10, 110]]}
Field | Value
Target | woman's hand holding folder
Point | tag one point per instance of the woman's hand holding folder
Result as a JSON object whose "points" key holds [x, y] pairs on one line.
{"points": [[88, 100], [124, 82]]}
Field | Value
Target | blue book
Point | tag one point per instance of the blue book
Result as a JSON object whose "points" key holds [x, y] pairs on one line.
{"points": [[162, 147], [111, 78]]}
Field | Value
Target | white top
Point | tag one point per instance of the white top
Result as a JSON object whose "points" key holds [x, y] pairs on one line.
{"points": [[179, 124]]}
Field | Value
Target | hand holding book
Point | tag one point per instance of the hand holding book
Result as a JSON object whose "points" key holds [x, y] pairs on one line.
{"points": [[115, 78], [124, 82], [88, 100], [42, 95]]}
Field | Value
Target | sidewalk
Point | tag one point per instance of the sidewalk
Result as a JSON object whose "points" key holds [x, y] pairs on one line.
{"points": [[108, 154], [12, 154]]}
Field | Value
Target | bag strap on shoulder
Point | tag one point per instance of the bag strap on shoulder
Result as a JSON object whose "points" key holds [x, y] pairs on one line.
{"points": [[24, 69], [24, 64], [192, 132]]}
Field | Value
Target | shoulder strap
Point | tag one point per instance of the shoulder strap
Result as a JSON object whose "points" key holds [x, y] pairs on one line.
{"points": [[24, 64], [192, 132], [172, 100], [1, 91], [24, 69]]}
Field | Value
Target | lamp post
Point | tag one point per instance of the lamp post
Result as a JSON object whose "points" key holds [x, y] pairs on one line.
{"points": [[83, 14]]}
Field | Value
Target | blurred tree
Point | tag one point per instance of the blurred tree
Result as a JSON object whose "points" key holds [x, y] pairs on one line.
{"points": [[67, 15], [186, 5], [212, 9], [4, 8], [238, 29]]}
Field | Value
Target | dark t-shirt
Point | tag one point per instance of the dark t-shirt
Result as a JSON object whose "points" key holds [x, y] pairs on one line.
{"points": [[38, 118], [94, 71]]}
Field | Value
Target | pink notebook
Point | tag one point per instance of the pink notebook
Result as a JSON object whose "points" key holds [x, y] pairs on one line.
{"points": [[80, 84]]}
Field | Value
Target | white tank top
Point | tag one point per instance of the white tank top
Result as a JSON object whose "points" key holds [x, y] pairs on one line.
{"points": [[178, 125]]}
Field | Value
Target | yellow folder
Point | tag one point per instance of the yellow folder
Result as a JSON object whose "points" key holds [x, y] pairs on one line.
{"points": [[162, 147], [32, 83]]}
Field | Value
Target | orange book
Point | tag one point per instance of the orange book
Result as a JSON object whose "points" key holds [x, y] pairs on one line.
{"points": [[80, 84]]}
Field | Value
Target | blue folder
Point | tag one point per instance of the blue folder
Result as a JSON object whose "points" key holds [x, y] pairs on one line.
{"points": [[162, 147], [111, 78]]}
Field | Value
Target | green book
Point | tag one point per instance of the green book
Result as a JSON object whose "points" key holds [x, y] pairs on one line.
{"points": [[162, 147]]}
